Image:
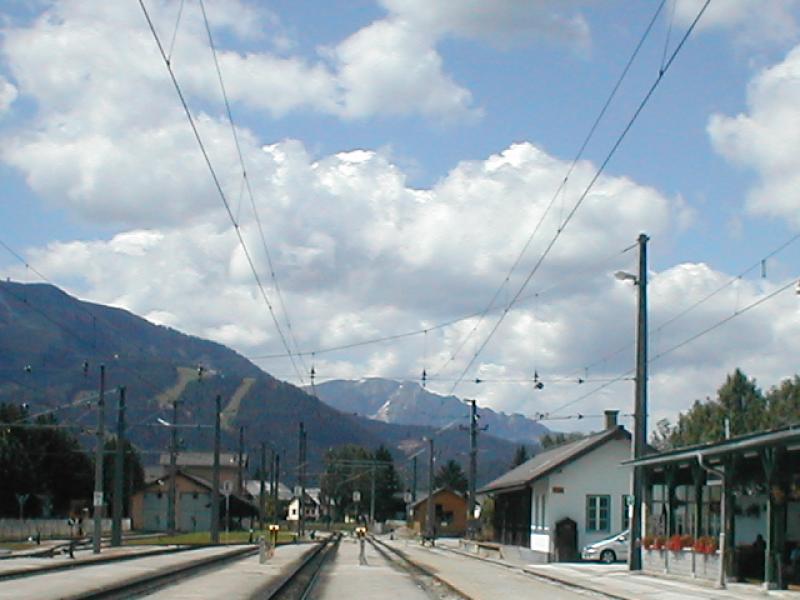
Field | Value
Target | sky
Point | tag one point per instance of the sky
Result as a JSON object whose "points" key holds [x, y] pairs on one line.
{"points": [[398, 158]]}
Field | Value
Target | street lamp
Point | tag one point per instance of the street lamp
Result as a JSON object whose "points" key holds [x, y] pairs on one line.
{"points": [[640, 403]]}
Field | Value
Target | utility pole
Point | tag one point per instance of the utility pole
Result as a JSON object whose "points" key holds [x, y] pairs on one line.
{"points": [[97, 500], [215, 473], [261, 496], [372, 497], [173, 468], [414, 480], [301, 467], [640, 410], [473, 461], [277, 485], [430, 525], [241, 459], [119, 469]]}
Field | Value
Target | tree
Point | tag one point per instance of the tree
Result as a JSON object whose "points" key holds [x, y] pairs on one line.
{"points": [[556, 438], [46, 462], [520, 456], [451, 475], [347, 470], [739, 402], [387, 485]]}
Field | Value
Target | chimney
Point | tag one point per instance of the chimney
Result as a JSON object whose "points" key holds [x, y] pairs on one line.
{"points": [[611, 419]]}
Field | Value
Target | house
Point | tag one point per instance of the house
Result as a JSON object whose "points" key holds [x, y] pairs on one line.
{"points": [[201, 464], [192, 504], [565, 497], [450, 513], [747, 487], [253, 489], [311, 506]]}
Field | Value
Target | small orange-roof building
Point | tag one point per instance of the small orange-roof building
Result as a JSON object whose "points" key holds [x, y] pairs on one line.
{"points": [[449, 509]]}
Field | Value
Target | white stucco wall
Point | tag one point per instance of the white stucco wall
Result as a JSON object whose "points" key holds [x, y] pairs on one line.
{"points": [[596, 473], [540, 528]]}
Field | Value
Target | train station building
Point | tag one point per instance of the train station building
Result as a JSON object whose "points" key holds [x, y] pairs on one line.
{"points": [[566, 497], [725, 511]]}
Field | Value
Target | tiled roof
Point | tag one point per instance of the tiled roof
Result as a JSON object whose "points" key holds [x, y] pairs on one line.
{"points": [[549, 460]]}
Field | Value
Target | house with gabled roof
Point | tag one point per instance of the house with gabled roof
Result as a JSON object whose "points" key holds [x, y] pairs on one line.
{"points": [[565, 497]]}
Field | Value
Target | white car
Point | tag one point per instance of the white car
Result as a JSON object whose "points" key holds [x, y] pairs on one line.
{"points": [[609, 550]]}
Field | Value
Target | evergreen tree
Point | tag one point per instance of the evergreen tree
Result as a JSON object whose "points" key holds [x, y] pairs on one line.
{"points": [[387, 485], [45, 462], [557, 438], [451, 475], [520, 456]]}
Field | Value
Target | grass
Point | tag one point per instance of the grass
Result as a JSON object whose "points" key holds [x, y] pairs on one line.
{"points": [[204, 537], [16, 546]]}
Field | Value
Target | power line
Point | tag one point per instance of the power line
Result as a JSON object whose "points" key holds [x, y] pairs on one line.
{"points": [[585, 193], [682, 313], [686, 341], [246, 181], [562, 184], [422, 331], [220, 191]]}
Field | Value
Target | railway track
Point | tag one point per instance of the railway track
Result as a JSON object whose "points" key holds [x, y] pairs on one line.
{"points": [[300, 582], [424, 577]]}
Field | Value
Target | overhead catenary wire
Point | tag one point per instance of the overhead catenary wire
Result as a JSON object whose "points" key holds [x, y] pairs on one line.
{"points": [[562, 185], [220, 191], [692, 338], [562, 227], [575, 275], [246, 181], [702, 300]]}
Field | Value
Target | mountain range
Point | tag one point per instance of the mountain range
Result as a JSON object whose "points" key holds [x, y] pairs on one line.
{"points": [[52, 346], [408, 403]]}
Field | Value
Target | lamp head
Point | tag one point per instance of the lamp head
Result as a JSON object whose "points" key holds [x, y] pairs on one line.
{"points": [[624, 276]]}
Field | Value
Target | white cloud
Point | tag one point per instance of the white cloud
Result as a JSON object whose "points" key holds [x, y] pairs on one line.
{"points": [[8, 93], [384, 258], [755, 22], [765, 138], [502, 21]]}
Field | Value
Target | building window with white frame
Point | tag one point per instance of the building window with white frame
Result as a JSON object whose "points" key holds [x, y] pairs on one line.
{"points": [[598, 513]]}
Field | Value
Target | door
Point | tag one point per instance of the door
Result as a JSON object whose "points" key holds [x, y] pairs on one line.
{"points": [[566, 541], [154, 511]]}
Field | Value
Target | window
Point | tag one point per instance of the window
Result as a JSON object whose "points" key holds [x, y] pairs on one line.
{"points": [[626, 507], [598, 513]]}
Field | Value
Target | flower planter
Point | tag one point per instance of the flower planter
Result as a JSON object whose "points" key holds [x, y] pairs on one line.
{"points": [[681, 563]]}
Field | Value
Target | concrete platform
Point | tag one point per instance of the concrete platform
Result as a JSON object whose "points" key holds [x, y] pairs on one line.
{"points": [[236, 581], [82, 557], [618, 582], [481, 579], [615, 581], [343, 577], [64, 584]]}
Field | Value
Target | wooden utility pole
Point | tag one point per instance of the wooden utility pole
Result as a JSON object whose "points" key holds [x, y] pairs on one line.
{"points": [[119, 470], [430, 524], [261, 490], [473, 461], [215, 473], [173, 468], [640, 410], [97, 500]]}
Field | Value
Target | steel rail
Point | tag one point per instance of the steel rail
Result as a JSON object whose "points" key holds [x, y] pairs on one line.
{"points": [[295, 585], [412, 566]]}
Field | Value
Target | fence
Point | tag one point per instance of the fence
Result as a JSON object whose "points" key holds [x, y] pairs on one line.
{"points": [[16, 529]]}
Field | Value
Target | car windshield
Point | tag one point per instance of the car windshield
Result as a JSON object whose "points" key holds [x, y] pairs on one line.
{"points": [[615, 536]]}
